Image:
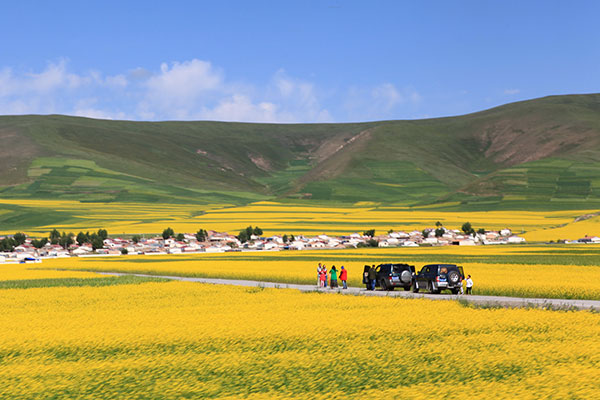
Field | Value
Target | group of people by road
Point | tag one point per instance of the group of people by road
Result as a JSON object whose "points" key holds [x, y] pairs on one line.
{"points": [[333, 275], [369, 278]]}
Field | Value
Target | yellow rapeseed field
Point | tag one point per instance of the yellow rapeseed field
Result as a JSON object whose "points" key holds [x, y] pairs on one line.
{"points": [[547, 279], [181, 340], [12, 272], [278, 218]]}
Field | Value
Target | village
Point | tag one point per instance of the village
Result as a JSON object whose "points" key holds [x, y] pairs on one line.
{"points": [[217, 242]]}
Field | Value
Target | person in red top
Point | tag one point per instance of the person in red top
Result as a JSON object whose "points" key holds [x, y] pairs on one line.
{"points": [[344, 277], [323, 277]]}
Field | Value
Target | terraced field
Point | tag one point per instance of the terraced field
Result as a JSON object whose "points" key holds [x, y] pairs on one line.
{"points": [[38, 217]]}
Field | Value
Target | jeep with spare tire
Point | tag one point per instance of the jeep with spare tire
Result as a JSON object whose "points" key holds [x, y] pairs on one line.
{"points": [[391, 276], [436, 277]]}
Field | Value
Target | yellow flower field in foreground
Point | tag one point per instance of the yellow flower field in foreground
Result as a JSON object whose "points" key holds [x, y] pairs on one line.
{"points": [[524, 273], [278, 218], [185, 340]]}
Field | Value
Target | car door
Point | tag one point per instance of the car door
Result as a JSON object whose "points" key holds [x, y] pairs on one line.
{"points": [[422, 277]]}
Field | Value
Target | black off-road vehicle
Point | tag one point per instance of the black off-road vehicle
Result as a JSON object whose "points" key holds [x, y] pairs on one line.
{"points": [[436, 277], [391, 276]]}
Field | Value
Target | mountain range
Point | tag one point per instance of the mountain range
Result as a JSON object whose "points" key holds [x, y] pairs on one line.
{"points": [[536, 154]]}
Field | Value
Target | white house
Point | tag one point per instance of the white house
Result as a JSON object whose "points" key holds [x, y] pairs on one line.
{"points": [[515, 240], [505, 232]]}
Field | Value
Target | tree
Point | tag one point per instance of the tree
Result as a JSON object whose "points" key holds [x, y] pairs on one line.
{"points": [[369, 233], [390, 231], [257, 231], [467, 228], [373, 243], [97, 241], [425, 233], [103, 234], [19, 238], [38, 244], [438, 224], [167, 233], [82, 238], [243, 236], [180, 237], [481, 231], [7, 244], [66, 240], [368, 243], [292, 238], [124, 251], [285, 238], [439, 232], [201, 235], [136, 239], [54, 236]]}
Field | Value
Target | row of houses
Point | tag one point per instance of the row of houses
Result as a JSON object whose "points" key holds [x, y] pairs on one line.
{"points": [[223, 241]]}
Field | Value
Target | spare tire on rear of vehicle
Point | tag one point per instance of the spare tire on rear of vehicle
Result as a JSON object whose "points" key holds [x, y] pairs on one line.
{"points": [[405, 276], [453, 277]]}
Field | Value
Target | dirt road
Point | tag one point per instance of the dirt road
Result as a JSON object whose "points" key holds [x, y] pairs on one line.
{"points": [[474, 299]]}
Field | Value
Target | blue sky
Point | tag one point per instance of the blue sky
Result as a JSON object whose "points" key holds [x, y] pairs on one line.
{"points": [[292, 61]]}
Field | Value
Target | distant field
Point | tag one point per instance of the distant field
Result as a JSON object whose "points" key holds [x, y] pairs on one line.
{"points": [[38, 217], [524, 271], [180, 340]]}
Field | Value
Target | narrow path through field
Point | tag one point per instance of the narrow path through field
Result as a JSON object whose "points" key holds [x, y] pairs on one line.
{"points": [[474, 299]]}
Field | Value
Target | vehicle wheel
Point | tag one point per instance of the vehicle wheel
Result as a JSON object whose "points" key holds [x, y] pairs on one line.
{"points": [[405, 276], [406, 288], [453, 277], [415, 287], [431, 290]]}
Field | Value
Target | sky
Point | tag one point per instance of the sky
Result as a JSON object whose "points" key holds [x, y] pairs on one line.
{"points": [[291, 61]]}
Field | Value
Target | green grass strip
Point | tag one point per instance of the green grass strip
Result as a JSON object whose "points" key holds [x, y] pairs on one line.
{"points": [[77, 282]]}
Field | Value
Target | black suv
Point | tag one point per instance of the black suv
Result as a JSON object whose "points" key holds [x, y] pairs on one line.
{"points": [[437, 277], [391, 276]]}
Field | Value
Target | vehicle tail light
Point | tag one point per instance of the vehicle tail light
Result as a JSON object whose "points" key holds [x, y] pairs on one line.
{"points": [[437, 279]]}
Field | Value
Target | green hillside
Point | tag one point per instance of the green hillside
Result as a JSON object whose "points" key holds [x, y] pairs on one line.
{"points": [[542, 153]]}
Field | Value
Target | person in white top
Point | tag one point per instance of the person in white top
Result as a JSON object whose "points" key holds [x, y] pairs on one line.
{"points": [[319, 275], [469, 284]]}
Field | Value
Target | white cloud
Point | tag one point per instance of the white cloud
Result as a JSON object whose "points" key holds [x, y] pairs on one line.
{"points": [[240, 108], [98, 114], [184, 81], [387, 95], [186, 90], [511, 92], [381, 101], [117, 81]]}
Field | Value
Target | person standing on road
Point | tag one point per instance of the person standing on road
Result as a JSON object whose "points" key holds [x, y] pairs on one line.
{"points": [[344, 277], [469, 285], [325, 279], [322, 278], [333, 274], [372, 277], [319, 275], [366, 277]]}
